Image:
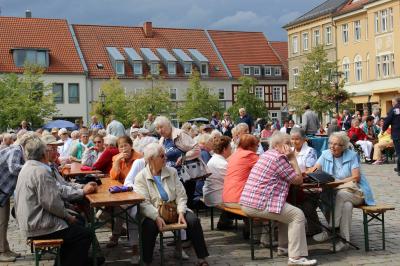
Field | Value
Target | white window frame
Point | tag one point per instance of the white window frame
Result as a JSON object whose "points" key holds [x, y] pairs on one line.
{"points": [[277, 93], [391, 22], [378, 67], [328, 35], [346, 69], [204, 73], [259, 92], [384, 20], [386, 65], [345, 33], [258, 70], [295, 44], [392, 62], [119, 64], [367, 68], [173, 91], [305, 41], [137, 68], [358, 68], [317, 37], [274, 115], [357, 30], [171, 68], [277, 71], [221, 91], [376, 22], [268, 71], [246, 71], [295, 77], [186, 67], [154, 68]]}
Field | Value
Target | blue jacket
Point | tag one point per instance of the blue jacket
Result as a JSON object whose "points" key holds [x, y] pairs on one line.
{"points": [[393, 119], [350, 161]]}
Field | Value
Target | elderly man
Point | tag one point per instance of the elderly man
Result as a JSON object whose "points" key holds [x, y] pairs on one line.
{"points": [[7, 141], [149, 124], [393, 119], [310, 121], [95, 123], [40, 210], [245, 118], [11, 162], [115, 128]]}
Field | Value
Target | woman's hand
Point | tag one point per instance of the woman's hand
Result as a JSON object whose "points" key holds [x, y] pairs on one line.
{"points": [[120, 157], [286, 150], [160, 223], [179, 161], [181, 218]]}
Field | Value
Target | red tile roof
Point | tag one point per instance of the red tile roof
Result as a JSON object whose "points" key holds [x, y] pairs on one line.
{"points": [[52, 34], [351, 6], [243, 48], [93, 40], [281, 49]]}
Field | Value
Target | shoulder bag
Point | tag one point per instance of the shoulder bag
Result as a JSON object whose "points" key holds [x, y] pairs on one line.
{"points": [[320, 177]]}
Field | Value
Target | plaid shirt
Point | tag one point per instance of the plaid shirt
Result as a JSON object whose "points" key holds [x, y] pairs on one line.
{"points": [[268, 184], [11, 162]]}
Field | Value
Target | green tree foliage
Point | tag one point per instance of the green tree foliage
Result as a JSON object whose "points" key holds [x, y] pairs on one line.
{"points": [[254, 106], [25, 97], [315, 85], [199, 101]]}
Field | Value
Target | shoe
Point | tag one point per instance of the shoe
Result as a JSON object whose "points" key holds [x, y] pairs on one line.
{"points": [[321, 237], [186, 244], [378, 162], [13, 254], [301, 261], [396, 170], [282, 252], [113, 242], [368, 160], [184, 255], [340, 246], [135, 259], [266, 244], [4, 257], [124, 232]]}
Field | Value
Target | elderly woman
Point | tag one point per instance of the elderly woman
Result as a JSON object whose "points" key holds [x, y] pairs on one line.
{"points": [[384, 141], [357, 135], [104, 161], [344, 165], [265, 193], [91, 154], [159, 183], [78, 148], [177, 143]]}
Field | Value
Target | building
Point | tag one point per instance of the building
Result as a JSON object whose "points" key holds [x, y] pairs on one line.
{"points": [[47, 42], [367, 51]]}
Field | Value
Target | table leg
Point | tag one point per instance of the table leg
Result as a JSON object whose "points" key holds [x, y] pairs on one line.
{"points": [[332, 202], [93, 230], [140, 234]]}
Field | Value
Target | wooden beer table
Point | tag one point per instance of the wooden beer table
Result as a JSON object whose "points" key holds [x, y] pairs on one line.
{"points": [[74, 169], [103, 198]]}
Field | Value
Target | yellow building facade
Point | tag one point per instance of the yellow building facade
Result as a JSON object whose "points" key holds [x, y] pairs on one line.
{"points": [[368, 54]]}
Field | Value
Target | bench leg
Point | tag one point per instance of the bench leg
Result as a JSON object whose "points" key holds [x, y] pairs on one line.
{"points": [[58, 257], [383, 231], [179, 246], [251, 238], [366, 236], [271, 254], [161, 249], [212, 217], [37, 257]]}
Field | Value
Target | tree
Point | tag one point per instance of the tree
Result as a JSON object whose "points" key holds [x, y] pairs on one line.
{"points": [[199, 101], [155, 100], [25, 97], [254, 106], [315, 85], [116, 102]]}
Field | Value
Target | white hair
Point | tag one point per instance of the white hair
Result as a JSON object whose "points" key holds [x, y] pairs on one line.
{"points": [[75, 134], [162, 121], [278, 138], [215, 133], [203, 138], [152, 150], [242, 128], [342, 136], [143, 142], [110, 140]]}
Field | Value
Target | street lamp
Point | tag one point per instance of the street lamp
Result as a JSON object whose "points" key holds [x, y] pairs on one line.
{"points": [[103, 101], [335, 77]]}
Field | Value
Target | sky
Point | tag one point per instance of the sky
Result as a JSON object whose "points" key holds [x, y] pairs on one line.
{"points": [[267, 16]]}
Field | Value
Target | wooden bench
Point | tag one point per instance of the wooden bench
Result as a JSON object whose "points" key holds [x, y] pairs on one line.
{"points": [[40, 247], [240, 213], [389, 153], [372, 213], [176, 230]]}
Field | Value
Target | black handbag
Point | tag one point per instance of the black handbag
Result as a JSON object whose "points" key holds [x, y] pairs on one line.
{"points": [[320, 177]]}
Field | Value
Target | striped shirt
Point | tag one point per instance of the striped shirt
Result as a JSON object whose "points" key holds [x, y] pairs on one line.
{"points": [[268, 184]]}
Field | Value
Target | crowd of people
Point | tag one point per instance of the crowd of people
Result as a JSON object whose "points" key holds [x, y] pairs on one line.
{"points": [[151, 160]]}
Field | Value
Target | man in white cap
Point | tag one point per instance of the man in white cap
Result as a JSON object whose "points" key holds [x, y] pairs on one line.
{"points": [[64, 149]]}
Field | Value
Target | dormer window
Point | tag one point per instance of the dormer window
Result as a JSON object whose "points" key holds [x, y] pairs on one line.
{"points": [[120, 67], [246, 71], [184, 60], [200, 60], [135, 60], [154, 69], [171, 68], [268, 71], [188, 68], [31, 56], [137, 68], [117, 60], [257, 71], [278, 71], [204, 69], [152, 60]]}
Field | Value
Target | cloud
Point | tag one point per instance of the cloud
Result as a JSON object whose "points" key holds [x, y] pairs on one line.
{"points": [[284, 19], [242, 19]]}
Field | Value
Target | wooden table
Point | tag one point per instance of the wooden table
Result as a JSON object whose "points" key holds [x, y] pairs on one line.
{"points": [[75, 170], [103, 198]]}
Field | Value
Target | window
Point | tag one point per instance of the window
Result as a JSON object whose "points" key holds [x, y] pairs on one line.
{"points": [[346, 69], [274, 116], [187, 68], [221, 94], [58, 93], [278, 71], [345, 33], [328, 35], [385, 66], [378, 67], [358, 68], [154, 69], [172, 93], [295, 45], [38, 57], [171, 68], [259, 92], [295, 77], [246, 71], [392, 64], [305, 41], [367, 68], [276, 94], [257, 71], [268, 71], [390, 19], [384, 20], [376, 22], [204, 69], [137, 68], [357, 30], [73, 93], [316, 37], [120, 67]]}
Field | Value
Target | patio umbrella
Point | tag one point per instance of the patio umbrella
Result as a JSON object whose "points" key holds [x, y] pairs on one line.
{"points": [[199, 120], [60, 124]]}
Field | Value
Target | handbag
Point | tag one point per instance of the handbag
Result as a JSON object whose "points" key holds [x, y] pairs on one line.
{"points": [[194, 169], [168, 211], [320, 177]]}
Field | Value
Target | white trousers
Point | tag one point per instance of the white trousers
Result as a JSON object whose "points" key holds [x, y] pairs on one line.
{"points": [[366, 146]]}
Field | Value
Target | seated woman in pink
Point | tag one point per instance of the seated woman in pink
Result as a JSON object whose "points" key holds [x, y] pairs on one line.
{"points": [[239, 167]]}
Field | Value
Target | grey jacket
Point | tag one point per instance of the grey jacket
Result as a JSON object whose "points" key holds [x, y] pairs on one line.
{"points": [[310, 122], [38, 204], [68, 190]]}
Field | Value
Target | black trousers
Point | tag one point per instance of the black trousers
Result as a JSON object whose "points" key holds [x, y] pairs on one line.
{"points": [[194, 231], [190, 188], [396, 143], [74, 250]]}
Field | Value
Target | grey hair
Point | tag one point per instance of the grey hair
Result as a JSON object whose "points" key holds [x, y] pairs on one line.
{"points": [[353, 122], [241, 127], [7, 136], [299, 131], [203, 138], [111, 140], [34, 149], [75, 134], [344, 139], [162, 121], [152, 150], [278, 138], [334, 122], [145, 141], [215, 133]]}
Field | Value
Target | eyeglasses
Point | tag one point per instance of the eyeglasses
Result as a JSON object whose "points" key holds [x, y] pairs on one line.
{"points": [[95, 142], [335, 144]]}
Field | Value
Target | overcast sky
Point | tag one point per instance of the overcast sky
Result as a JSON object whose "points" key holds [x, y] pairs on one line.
{"points": [[267, 16]]}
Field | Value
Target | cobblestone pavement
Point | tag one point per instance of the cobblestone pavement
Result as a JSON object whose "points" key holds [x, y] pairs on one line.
{"points": [[229, 248]]}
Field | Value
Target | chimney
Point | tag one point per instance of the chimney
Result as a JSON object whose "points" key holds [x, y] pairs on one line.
{"points": [[28, 13], [148, 29]]}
